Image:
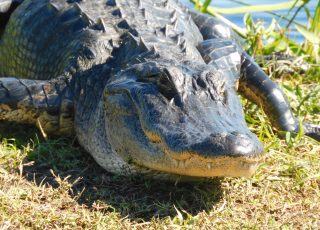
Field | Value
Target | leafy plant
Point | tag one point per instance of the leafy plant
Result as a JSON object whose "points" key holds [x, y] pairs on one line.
{"points": [[312, 34], [263, 40]]}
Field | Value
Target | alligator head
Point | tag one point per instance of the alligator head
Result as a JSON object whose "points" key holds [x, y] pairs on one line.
{"points": [[183, 119]]}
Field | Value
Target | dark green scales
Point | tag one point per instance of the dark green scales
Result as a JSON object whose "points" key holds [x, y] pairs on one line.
{"points": [[146, 86]]}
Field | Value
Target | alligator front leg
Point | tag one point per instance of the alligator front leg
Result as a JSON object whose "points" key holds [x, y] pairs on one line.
{"points": [[219, 47], [47, 104]]}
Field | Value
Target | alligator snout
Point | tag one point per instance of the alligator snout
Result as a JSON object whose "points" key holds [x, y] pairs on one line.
{"points": [[226, 145], [233, 154], [246, 145]]}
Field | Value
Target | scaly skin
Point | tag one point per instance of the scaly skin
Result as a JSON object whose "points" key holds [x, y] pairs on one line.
{"points": [[148, 86]]}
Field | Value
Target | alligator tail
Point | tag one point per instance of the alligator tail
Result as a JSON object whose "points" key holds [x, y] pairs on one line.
{"points": [[48, 104], [259, 88], [312, 130]]}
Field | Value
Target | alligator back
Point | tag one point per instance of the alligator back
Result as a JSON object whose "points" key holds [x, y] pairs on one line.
{"points": [[46, 38], [49, 37]]}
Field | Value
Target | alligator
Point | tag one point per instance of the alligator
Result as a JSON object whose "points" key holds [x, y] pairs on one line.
{"points": [[146, 86]]}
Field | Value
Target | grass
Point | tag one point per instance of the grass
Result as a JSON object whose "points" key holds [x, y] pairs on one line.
{"points": [[54, 184]]}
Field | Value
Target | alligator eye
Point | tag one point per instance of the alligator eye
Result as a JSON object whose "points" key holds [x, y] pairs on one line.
{"points": [[166, 87], [163, 83]]}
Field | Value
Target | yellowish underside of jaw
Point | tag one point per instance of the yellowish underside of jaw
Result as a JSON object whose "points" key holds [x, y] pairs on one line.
{"points": [[222, 166]]}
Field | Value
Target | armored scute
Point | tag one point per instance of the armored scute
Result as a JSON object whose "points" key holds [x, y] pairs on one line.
{"points": [[145, 85]]}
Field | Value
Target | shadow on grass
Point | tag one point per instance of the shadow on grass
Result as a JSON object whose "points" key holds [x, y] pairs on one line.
{"points": [[136, 198]]}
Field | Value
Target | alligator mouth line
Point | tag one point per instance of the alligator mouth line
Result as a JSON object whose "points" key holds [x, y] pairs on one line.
{"points": [[196, 166], [193, 165], [219, 162]]}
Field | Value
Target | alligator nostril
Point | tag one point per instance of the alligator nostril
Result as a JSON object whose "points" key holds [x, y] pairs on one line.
{"points": [[243, 145]]}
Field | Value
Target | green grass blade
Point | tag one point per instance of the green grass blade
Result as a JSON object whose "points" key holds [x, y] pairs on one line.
{"points": [[254, 8], [315, 26], [311, 37], [205, 5]]}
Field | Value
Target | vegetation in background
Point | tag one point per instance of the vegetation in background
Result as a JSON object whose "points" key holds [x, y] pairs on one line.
{"points": [[54, 184], [266, 40]]}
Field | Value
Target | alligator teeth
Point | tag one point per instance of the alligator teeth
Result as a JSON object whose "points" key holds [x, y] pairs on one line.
{"points": [[248, 165], [182, 163], [179, 163], [209, 165]]}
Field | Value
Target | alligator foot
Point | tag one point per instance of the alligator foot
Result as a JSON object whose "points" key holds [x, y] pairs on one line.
{"points": [[47, 104]]}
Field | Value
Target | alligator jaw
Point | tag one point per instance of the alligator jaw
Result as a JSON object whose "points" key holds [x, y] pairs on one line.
{"points": [[196, 166]]}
